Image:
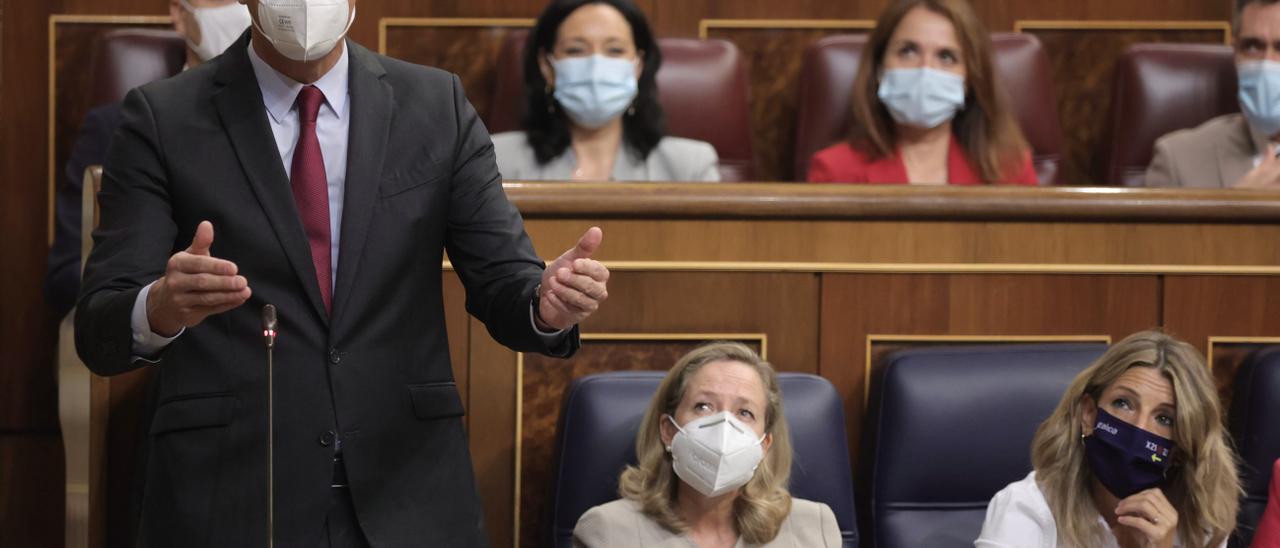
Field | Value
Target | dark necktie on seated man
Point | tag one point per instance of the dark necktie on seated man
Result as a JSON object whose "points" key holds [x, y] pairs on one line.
{"points": [[311, 190]]}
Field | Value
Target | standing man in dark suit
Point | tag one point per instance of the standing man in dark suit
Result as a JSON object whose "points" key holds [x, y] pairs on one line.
{"points": [[334, 178]]}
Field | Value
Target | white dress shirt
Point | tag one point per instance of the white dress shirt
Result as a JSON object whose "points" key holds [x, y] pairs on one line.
{"points": [[279, 96], [1019, 517]]}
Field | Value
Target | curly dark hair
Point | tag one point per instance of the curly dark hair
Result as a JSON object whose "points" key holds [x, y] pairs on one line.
{"points": [[546, 124]]}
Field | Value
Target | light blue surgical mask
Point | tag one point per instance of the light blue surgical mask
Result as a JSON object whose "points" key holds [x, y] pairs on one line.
{"points": [[921, 97], [596, 89], [1260, 95]]}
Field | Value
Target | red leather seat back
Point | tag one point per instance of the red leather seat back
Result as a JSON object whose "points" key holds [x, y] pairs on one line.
{"points": [[826, 91], [702, 86], [1160, 88], [128, 58]]}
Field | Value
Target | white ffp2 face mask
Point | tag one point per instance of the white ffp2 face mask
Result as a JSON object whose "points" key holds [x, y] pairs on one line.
{"points": [[304, 30], [219, 27], [715, 454]]}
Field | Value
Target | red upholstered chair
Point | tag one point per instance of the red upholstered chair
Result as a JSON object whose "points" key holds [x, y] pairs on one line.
{"points": [[702, 86], [128, 58], [1160, 88], [826, 89]]}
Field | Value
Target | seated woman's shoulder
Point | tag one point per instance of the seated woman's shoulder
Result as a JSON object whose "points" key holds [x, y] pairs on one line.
{"points": [[841, 162], [510, 140], [610, 524], [689, 159]]}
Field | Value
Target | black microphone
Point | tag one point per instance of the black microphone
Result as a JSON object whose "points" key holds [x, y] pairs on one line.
{"points": [[269, 324]]}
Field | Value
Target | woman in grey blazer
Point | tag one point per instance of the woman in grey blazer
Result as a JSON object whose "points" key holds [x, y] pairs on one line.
{"points": [[592, 111], [714, 460]]}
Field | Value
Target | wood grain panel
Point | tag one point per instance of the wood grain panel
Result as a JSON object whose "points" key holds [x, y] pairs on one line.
{"points": [[491, 425], [1202, 309], [31, 498], [839, 244], [1084, 88], [468, 48], [544, 381], [774, 57], [857, 305]]}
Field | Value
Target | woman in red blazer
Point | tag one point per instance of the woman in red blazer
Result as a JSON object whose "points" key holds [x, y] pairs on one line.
{"points": [[927, 107]]}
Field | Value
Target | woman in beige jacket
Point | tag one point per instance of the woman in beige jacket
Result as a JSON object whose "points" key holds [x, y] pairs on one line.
{"points": [[714, 460]]}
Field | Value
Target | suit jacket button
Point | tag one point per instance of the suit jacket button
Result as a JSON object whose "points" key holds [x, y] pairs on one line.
{"points": [[326, 439], [334, 357]]}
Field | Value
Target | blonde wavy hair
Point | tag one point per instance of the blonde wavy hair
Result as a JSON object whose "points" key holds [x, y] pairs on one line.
{"points": [[1202, 485], [763, 503]]}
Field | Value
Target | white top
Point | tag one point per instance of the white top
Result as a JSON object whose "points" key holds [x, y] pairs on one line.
{"points": [[1019, 516]]}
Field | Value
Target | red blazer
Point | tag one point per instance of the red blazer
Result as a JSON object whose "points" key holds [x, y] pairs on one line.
{"points": [[1267, 535], [842, 163]]}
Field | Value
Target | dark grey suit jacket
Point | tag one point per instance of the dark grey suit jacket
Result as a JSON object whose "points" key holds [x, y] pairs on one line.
{"points": [[421, 178]]}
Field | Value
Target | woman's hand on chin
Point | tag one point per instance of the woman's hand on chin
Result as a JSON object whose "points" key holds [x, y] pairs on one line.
{"points": [[1150, 514]]}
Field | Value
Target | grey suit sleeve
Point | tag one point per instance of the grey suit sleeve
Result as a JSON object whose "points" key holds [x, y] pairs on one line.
{"points": [[132, 243], [1162, 172], [707, 165], [487, 243]]}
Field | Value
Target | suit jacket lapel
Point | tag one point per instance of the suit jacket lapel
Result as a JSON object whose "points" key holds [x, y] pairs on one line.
{"points": [[239, 105], [371, 101]]}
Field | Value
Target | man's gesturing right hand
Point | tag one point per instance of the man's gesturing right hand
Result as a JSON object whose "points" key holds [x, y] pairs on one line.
{"points": [[195, 286]]}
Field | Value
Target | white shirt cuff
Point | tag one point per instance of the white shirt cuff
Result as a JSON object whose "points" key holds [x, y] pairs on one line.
{"points": [[146, 344], [548, 337]]}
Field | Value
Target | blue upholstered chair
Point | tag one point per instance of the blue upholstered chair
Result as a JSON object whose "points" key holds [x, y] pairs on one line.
{"points": [[949, 427], [1254, 421], [597, 433]]}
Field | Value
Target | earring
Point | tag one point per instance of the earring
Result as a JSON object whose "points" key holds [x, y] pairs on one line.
{"points": [[551, 102], [631, 111], [668, 448]]}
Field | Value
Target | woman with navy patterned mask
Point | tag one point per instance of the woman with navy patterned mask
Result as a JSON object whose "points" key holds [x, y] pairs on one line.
{"points": [[1134, 456], [592, 111]]}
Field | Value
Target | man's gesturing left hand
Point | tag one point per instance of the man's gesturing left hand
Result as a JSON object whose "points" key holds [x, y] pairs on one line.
{"points": [[573, 286]]}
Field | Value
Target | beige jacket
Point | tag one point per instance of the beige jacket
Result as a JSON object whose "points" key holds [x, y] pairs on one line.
{"points": [[621, 524], [1216, 154]]}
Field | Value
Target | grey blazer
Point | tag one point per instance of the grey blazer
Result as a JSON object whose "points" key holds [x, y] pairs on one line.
{"points": [[1216, 154], [674, 159], [622, 524]]}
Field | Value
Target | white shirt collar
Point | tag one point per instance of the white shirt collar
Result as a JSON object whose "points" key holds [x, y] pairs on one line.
{"points": [[279, 92]]}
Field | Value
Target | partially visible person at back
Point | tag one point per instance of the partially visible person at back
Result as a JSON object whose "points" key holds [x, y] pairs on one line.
{"points": [[1234, 150], [1267, 535], [592, 111], [927, 107], [208, 26], [714, 462], [1135, 455]]}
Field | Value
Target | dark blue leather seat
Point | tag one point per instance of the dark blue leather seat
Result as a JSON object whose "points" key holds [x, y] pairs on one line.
{"points": [[597, 433], [949, 427], [1254, 421]]}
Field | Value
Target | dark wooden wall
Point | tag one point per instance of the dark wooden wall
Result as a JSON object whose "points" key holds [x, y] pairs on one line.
{"points": [[30, 449]]}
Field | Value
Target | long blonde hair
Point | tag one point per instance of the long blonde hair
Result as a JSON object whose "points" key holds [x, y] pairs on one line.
{"points": [[763, 503], [1202, 486]]}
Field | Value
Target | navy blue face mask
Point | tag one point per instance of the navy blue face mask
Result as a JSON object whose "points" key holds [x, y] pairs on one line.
{"points": [[1126, 459]]}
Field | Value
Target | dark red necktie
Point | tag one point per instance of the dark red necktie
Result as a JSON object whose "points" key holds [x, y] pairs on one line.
{"points": [[311, 190]]}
